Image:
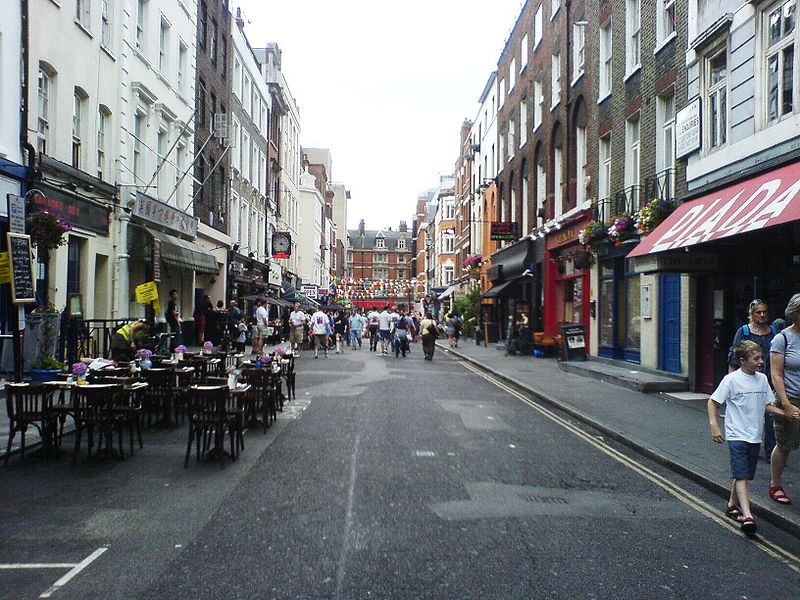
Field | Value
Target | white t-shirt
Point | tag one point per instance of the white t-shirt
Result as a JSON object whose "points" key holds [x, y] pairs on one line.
{"points": [[320, 323], [374, 318], [393, 319], [298, 318], [383, 321], [745, 397], [262, 316]]}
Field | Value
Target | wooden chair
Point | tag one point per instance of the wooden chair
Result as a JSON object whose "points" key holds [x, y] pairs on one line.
{"points": [[128, 408], [160, 396], [259, 399], [30, 404], [92, 407], [209, 420]]}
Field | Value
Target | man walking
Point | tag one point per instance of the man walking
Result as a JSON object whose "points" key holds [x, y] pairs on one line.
{"points": [[262, 322], [356, 321], [384, 328], [321, 329], [173, 316], [297, 322], [374, 324]]}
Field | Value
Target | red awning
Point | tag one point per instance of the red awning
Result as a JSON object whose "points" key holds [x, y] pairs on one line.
{"points": [[755, 204]]}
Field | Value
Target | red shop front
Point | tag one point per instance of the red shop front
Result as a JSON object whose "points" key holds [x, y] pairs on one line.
{"points": [[566, 291]]}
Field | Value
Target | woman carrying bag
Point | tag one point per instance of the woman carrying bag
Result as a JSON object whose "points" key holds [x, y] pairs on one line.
{"points": [[429, 331]]}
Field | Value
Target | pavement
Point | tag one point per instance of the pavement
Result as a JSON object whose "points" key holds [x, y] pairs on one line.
{"points": [[671, 430]]}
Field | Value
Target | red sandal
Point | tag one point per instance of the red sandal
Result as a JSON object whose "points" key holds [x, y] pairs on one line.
{"points": [[780, 499]]}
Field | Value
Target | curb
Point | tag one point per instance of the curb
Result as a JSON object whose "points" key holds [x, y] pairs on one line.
{"points": [[715, 487]]}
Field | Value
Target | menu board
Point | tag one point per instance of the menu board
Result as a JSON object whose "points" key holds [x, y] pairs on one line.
{"points": [[19, 250]]}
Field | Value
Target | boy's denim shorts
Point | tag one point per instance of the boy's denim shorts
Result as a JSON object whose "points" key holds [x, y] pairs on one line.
{"points": [[744, 459]]}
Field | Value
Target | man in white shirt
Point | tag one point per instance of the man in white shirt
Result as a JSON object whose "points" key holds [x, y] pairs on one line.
{"points": [[262, 322], [321, 328], [393, 319], [384, 328], [297, 322], [373, 323]]}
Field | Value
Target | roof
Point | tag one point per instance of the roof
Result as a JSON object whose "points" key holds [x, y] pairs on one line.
{"points": [[367, 242]]}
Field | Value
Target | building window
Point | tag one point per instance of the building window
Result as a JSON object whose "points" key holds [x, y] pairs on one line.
{"points": [[581, 165], [780, 56], [235, 156], [401, 245], [78, 99], [224, 58], [665, 20], [212, 50], [183, 53], [512, 146], [163, 47], [665, 144], [380, 243], [523, 122], [180, 163], [554, 6], [512, 75], [83, 12], [450, 209], [141, 19], [558, 183], [138, 133], [161, 153], [448, 272], [237, 76], [555, 80], [74, 265], [633, 28], [103, 116], [632, 162], [538, 33], [524, 229], [605, 59], [717, 100], [43, 122], [578, 50], [447, 243], [541, 190], [604, 183], [105, 22], [523, 53], [538, 104], [202, 24]]}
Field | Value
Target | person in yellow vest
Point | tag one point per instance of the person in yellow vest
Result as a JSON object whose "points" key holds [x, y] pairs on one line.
{"points": [[127, 340]]}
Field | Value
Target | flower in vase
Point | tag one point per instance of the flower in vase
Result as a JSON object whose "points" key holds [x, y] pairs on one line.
{"points": [[180, 349], [79, 369], [143, 353]]}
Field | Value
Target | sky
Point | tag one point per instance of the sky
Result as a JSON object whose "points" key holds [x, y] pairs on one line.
{"points": [[385, 85]]}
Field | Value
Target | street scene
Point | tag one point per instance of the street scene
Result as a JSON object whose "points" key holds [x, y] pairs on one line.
{"points": [[449, 300]]}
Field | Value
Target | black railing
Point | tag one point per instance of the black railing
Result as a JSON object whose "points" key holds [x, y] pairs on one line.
{"points": [[90, 337], [624, 201], [660, 186]]}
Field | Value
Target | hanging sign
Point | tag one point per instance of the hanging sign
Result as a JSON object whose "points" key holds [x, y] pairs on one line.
{"points": [[503, 231], [16, 214], [5, 268]]}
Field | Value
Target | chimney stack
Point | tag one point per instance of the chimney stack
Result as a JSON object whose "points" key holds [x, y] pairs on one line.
{"points": [[403, 227], [361, 227]]}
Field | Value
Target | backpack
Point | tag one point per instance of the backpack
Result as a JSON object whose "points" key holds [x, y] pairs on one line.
{"points": [[746, 330]]}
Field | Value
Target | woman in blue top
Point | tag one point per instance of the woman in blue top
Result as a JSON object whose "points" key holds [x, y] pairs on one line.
{"points": [[758, 330]]}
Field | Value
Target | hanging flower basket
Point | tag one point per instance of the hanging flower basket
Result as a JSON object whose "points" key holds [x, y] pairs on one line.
{"points": [[593, 234], [47, 230], [622, 228], [652, 214]]}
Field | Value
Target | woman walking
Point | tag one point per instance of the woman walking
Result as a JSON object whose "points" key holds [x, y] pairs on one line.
{"points": [[429, 332], [785, 359]]}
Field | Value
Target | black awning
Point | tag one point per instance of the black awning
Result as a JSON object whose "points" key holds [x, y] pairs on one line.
{"points": [[185, 254], [496, 290]]}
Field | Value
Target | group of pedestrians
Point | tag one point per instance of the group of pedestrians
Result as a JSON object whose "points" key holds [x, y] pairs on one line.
{"points": [[761, 394]]}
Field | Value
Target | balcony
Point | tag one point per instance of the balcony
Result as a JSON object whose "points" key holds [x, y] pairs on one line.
{"points": [[660, 186]]}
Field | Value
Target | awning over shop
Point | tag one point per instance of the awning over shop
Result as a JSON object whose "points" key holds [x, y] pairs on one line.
{"points": [[447, 293], [184, 254], [752, 205], [496, 290]]}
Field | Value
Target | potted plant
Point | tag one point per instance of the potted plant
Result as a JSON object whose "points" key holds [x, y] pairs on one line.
{"points": [[652, 214], [594, 234], [622, 228], [472, 265], [47, 233], [45, 368]]}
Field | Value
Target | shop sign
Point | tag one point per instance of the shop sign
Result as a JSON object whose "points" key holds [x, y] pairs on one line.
{"points": [[161, 213], [682, 262], [156, 260], [275, 273], [765, 201], [310, 291], [78, 212], [503, 231], [281, 244], [16, 214], [573, 341], [687, 124]]}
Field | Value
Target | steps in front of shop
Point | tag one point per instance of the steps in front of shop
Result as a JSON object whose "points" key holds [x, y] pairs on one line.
{"points": [[625, 375]]}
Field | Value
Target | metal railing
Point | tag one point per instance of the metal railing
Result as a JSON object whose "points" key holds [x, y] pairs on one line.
{"points": [[90, 337], [629, 200]]}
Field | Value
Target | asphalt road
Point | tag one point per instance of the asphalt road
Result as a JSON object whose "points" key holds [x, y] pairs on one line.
{"points": [[387, 478]]}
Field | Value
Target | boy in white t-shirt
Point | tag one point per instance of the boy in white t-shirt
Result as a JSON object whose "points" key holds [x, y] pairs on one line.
{"points": [[746, 394]]}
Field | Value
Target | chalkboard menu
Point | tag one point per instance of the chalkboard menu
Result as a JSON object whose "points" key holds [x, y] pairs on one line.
{"points": [[573, 341], [19, 250]]}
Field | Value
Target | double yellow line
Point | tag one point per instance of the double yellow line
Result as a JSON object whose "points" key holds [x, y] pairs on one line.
{"points": [[704, 508]]}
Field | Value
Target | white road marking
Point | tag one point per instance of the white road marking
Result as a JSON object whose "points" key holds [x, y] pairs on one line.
{"points": [[426, 453], [75, 570], [348, 523], [12, 566]]}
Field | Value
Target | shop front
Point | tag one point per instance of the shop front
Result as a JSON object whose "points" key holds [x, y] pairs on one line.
{"points": [[731, 246], [567, 274]]}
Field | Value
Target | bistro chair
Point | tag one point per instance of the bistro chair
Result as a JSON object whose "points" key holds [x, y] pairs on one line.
{"points": [[209, 420], [259, 399], [30, 404], [127, 407], [289, 376], [160, 396], [93, 406]]}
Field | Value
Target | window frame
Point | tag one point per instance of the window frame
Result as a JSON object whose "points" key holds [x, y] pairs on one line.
{"points": [[578, 51], [633, 37], [777, 49], [663, 20], [633, 158], [712, 131], [555, 79], [665, 157]]}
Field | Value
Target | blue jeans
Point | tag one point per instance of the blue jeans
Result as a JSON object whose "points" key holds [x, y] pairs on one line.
{"points": [[355, 337], [769, 435]]}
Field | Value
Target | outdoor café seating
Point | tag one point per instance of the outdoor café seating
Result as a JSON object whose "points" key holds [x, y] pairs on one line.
{"points": [[30, 405], [213, 413], [93, 408]]}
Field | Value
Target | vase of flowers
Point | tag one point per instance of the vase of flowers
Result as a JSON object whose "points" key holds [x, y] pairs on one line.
{"points": [[179, 350], [208, 348], [622, 228], [143, 356], [79, 370], [233, 377]]}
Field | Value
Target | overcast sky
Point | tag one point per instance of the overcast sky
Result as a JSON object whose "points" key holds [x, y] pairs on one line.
{"points": [[385, 85]]}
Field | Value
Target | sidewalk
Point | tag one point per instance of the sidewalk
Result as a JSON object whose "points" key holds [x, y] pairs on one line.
{"points": [[672, 432]]}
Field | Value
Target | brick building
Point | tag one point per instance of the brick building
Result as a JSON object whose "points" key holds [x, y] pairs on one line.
{"points": [[379, 253]]}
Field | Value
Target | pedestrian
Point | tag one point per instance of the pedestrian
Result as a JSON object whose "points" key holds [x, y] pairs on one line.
{"points": [[758, 330], [127, 340], [374, 326], [340, 328], [201, 315], [241, 338], [297, 321], [356, 324], [785, 358], [262, 325], [401, 335], [746, 395], [321, 329], [173, 317], [453, 324], [394, 318], [384, 329], [429, 331]]}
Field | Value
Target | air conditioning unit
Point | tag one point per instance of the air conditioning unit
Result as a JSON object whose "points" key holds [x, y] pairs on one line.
{"points": [[220, 126]]}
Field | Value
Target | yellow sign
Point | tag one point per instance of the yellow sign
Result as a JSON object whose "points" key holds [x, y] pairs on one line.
{"points": [[147, 293], [5, 268]]}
